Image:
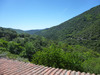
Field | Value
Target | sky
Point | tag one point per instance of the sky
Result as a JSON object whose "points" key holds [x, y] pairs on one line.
{"points": [[41, 14]]}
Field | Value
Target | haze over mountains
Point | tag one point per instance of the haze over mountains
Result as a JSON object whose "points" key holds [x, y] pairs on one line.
{"points": [[27, 31]]}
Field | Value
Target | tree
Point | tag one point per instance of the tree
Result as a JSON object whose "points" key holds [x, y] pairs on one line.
{"points": [[92, 65], [51, 56], [15, 48], [30, 50]]}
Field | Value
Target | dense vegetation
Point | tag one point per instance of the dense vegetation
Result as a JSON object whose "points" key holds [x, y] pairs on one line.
{"points": [[75, 46], [83, 29], [32, 31], [40, 50]]}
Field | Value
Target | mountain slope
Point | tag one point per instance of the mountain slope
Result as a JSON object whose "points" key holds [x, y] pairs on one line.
{"points": [[32, 31], [84, 27], [76, 27], [19, 31], [7, 33]]}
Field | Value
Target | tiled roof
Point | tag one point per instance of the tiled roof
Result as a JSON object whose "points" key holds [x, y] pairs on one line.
{"points": [[14, 67]]}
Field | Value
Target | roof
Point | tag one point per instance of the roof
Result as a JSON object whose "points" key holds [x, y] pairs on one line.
{"points": [[14, 67]]}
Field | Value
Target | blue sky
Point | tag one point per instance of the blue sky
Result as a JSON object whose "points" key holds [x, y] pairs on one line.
{"points": [[40, 14]]}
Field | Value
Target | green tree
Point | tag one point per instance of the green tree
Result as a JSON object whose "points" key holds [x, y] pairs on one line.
{"points": [[15, 48], [30, 50], [51, 56], [92, 65]]}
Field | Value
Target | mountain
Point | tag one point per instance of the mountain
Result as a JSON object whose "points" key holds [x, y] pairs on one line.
{"points": [[32, 31], [84, 28], [7, 33], [28, 31], [19, 31]]}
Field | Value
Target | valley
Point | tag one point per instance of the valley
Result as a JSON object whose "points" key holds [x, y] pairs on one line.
{"points": [[73, 44]]}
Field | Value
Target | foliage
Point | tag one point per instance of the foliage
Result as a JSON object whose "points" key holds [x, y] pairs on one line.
{"points": [[93, 65], [9, 55], [75, 44], [49, 57], [14, 48], [30, 50], [83, 29], [7, 34], [55, 56]]}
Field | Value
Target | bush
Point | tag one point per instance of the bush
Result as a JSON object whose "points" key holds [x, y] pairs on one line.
{"points": [[15, 48], [92, 65], [52, 57], [56, 57]]}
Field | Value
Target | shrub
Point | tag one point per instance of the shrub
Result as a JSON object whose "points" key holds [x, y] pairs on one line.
{"points": [[92, 65]]}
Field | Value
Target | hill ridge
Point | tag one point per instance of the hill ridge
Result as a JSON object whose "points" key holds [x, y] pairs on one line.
{"points": [[85, 26]]}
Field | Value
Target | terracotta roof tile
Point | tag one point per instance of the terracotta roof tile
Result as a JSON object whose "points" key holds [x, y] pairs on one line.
{"points": [[63, 72], [14, 67], [83, 73], [49, 71], [54, 71], [78, 73], [59, 72], [73, 73], [68, 72], [43, 72]]}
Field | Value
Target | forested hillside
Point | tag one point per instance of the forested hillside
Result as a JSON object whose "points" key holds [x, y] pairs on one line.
{"points": [[83, 29], [32, 31], [39, 50], [19, 31], [6, 33]]}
